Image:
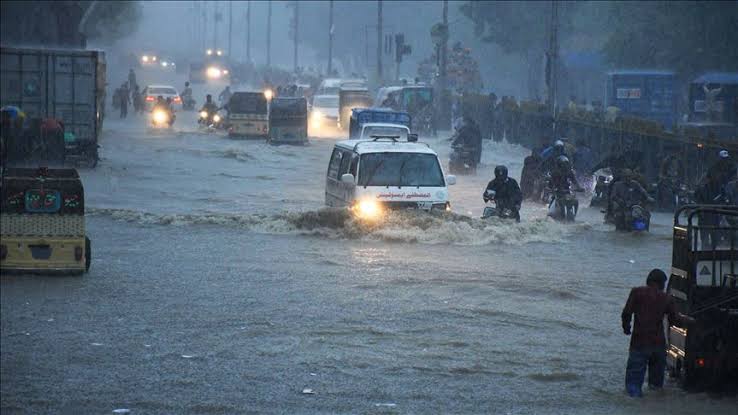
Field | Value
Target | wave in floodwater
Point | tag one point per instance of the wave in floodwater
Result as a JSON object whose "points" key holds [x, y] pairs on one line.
{"points": [[398, 226], [229, 153]]}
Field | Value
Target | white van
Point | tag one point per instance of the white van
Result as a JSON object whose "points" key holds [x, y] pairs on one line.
{"points": [[370, 176]]}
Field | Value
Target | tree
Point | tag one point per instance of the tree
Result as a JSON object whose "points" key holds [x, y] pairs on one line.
{"points": [[56, 23], [520, 27], [688, 37]]}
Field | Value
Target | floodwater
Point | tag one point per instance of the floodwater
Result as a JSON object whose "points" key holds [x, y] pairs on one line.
{"points": [[220, 284]]}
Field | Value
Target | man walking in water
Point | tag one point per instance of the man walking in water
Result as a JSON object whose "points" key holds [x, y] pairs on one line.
{"points": [[647, 344]]}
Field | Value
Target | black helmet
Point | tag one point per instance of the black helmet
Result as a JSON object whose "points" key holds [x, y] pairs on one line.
{"points": [[501, 172], [208, 97], [187, 84]]}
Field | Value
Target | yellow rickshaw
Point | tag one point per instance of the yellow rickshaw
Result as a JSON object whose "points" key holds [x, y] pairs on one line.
{"points": [[42, 223]]}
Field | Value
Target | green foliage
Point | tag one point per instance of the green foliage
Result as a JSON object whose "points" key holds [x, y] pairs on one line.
{"points": [[113, 20], [517, 26], [689, 37]]}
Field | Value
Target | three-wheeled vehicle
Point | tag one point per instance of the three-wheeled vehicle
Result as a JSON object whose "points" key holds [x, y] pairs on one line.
{"points": [[703, 353], [348, 99], [416, 100], [43, 222], [363, 116], [288, 121], [248, 115]]}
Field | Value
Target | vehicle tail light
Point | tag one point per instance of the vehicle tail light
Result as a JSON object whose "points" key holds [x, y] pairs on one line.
{"points": [[177, 99], [78, 253], [149, 98], [3, 251], [700, 362]]}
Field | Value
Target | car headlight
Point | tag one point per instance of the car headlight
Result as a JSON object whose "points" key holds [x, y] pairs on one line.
{"points": [[268, 94], [203, 114], [145, 58], [213, 72], [160, 117], [216, 118], [369, 209]]}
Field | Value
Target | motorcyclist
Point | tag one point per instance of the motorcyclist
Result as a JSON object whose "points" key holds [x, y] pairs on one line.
{"points": [[617, 162], [469, 138], [210, 107], [165, 105], [625, 194], [186, 95], [723, 170], [506, 194], [551, 155], [670, 178], [531, 172], [562, 176]]}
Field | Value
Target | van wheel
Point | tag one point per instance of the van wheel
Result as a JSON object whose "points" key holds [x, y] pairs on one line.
{"points": [[88, 254]]}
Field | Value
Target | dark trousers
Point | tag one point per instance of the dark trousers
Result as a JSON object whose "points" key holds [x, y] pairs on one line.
{"points": [[651, 358], [123, 110]]}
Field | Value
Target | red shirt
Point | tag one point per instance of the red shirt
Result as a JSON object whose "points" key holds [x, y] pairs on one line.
{"points": [[649, 305]]}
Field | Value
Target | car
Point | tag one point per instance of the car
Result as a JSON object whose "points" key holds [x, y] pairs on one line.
{"points": [[151, 92], [324, 114], [373, 176]]}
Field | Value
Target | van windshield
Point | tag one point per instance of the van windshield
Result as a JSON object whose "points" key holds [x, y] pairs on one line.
{"points": [[400, 169], [326, 101]]}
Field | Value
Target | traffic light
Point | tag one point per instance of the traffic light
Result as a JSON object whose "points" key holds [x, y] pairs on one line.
{"points": [[401, 49]]}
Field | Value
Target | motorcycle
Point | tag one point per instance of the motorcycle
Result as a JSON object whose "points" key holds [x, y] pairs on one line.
{"points": [[635, 218], [210, 120], [670, 194], [161, 118], [462, 161], [495, 210], [563, 205], [599, 195]]}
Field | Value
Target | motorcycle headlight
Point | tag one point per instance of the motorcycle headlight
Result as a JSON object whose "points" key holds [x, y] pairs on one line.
{"points": [[160, 117], [203, 114], [216, 118]]}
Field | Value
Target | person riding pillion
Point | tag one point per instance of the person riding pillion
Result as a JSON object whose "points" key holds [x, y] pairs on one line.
{"points": [[505, 191]]}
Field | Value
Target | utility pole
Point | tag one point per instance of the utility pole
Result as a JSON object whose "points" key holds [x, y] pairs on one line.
{"points": [[442, 76], [297, 26], [330, 37], [230, 27], [204, 27], [379, 42], [248, 32], [269, 34], [552, 64], [215, 26]]}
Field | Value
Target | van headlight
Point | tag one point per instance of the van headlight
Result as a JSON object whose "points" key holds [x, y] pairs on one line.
{"points": [[203, 114], [369, 209]]}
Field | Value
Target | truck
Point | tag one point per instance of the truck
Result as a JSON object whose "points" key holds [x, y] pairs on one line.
{"points": [[702, 351], [644, 94], [68, 85]]}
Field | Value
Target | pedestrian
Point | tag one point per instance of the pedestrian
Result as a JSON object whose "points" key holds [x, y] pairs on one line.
{"points": [[132, 84], [649, 304], [137, 100], [124, 99]]}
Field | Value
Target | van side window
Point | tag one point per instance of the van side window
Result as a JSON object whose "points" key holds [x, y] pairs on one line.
{"points": [[335, 163], [354, 164], [345, 161]]}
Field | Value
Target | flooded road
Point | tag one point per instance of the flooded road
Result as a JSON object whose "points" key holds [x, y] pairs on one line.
{"points": [[220, 285]]}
